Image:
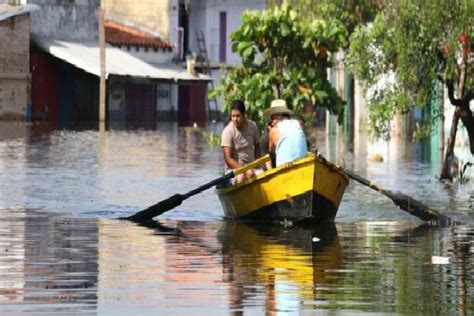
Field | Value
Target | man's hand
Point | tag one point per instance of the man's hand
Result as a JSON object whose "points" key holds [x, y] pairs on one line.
{"points": [[249, 174]]}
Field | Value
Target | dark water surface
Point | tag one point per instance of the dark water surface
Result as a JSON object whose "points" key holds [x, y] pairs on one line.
{"points": [[63, 252]]}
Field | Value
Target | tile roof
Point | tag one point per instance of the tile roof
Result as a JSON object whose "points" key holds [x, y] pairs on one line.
{"points": [[122, 35]]}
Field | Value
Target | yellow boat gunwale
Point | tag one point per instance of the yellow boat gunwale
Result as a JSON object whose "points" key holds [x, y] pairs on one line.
{"points": [[288, 165]]}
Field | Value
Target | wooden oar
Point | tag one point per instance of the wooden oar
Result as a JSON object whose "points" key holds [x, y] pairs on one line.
{"points": [[176, 200], [403, 201]]}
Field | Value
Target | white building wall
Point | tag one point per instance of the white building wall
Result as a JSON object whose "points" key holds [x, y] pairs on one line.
{"points": [[174, 23], [360, 111], [116, 99], [204, 16], [164, 97], [174, 98], [198, 22], [150, 55]]}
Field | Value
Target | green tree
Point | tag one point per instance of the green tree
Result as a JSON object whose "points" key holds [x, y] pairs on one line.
{"points": [[350, 13], [283, 56], [410, 47]]}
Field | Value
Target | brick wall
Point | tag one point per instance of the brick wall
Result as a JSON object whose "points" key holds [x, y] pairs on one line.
{"points": [[14, 66]]}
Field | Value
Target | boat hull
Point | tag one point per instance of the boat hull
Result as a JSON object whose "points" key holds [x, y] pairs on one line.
{"points": [[310, 188]]}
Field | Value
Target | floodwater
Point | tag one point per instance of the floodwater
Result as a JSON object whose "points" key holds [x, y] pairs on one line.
{"points": [[62, 250]]}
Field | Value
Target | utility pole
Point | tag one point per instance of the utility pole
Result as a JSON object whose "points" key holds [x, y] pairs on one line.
{"points": [[102, 66]]}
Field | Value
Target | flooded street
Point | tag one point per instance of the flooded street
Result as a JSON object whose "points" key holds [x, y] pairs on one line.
{"points": [[63, 251]]}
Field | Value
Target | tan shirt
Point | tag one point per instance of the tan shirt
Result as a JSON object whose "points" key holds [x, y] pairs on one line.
{"points": [[242, 141]]}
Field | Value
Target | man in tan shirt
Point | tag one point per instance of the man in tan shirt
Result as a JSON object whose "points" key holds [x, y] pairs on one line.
{"points": [[240, 141]]}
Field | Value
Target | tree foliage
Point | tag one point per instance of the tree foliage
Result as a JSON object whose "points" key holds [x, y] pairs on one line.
{"points": [[350, 13], [283, 56], [410, 47]]}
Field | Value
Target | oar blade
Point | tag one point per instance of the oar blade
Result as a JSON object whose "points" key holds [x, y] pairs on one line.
{"points": [[157, 209], [414, 207], [403, 201]]}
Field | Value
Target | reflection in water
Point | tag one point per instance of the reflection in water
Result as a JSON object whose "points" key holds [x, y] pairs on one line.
{"points": [[285, 267], [55, 264], [48, 263], [213, 267], [232, 266]]}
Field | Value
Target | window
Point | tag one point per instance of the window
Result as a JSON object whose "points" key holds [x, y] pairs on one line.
{"points": [[222, 36]]}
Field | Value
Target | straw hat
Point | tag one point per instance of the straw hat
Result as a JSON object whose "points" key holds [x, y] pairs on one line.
{"points": [[277, 106]]}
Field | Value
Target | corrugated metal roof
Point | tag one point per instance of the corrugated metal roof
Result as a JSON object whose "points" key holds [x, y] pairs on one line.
{"points": [[123, 35], [85, 55], [7, 11]]}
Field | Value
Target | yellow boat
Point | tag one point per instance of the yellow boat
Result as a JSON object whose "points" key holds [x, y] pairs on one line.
{"points": [[310, 188]]}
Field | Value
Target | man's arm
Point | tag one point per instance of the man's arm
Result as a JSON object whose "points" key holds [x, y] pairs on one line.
{"points": [[230, 162], [273, 136]]}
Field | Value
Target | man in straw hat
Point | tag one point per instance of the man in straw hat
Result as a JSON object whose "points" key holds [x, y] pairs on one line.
{"points": [[240, 141], [286, 138]]}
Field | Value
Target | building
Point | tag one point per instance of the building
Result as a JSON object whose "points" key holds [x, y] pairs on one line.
{"points": [[139, 72], [198, 28], [15, 58], [145, 81], [183, 98], [207, 30]]}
